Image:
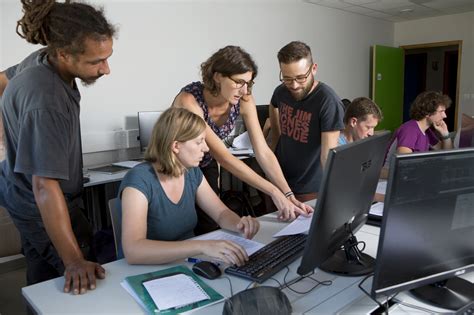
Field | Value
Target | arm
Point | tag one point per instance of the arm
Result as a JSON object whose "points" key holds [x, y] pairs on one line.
{"points": [[79, 273], [402, 150], [140, 250], [445, 142], [207, 200], [275, 130], [328, 141], [265, 157], [3, 82], [235, 166]]}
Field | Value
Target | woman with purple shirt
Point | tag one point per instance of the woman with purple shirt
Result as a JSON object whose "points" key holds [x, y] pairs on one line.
{"points": [[223, 94]]}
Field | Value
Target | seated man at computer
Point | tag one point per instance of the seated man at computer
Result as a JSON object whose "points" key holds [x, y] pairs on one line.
{"points": [[158, 198], [426, 130], [361, 117]]}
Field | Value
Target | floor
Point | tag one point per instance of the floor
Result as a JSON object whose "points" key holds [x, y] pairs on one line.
{"points": [[11, 282]]}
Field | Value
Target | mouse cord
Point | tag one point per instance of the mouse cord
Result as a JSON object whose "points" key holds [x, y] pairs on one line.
{"points": [[230, 286]]}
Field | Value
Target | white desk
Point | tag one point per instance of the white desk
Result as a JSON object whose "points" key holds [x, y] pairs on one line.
{"points": [[343, 296], [97, 178]]}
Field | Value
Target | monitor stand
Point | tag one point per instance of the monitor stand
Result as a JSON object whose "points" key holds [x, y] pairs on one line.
{"points": [[452, 294], [349, 261]]}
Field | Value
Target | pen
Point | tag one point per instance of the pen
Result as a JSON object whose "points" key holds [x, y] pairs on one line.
{"points": [[197, 260]]}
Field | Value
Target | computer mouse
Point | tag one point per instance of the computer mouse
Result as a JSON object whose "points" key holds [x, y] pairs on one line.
{"points": [[207, 270]]}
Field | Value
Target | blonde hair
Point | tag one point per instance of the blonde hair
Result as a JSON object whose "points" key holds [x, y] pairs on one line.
{"points": [[175, 124]]}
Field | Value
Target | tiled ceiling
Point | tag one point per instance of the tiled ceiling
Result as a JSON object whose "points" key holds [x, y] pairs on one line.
{"points": [[399, 10]]}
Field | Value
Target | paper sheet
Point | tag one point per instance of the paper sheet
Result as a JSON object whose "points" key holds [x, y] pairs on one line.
{"points": [[242, 141], [128, 164], [300, 225], [381, 187], [249, 245], [376, 209], [174, 291]]}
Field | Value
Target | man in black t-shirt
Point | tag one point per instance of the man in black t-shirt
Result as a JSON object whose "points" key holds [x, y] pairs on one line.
{"points": [[306, 118]]}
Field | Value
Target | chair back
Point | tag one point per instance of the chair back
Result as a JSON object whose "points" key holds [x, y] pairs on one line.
{"points": [[116, 226]]}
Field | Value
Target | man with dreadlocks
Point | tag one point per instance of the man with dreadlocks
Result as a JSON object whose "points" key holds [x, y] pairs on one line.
{"points": [[41, 178]]}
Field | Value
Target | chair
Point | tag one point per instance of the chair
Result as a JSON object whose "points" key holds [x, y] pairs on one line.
{"points": [[116, 227]]}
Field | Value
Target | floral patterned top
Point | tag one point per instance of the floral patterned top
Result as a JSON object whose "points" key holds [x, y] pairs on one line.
{"points": [[197, 89]]}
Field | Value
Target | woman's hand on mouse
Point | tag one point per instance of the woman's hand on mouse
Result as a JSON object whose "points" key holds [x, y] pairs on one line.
{"points": [[226, 251], [248, 226]]}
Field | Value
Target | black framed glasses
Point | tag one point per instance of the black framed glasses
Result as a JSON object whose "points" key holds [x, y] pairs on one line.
{"points": [[299, 79], [238, 84]]}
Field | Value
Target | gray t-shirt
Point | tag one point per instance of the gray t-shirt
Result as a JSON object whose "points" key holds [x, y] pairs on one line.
{"points": [[166, 221], [42, 135], [299, 147]]}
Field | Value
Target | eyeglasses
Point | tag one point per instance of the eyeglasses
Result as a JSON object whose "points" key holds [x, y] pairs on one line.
{"points": [[299, 79], [238, 84]]}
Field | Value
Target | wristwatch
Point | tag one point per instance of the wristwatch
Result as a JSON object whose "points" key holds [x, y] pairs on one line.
{"points": [[445, 137]]}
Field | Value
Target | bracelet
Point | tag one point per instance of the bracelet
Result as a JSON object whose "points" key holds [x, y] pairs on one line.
{"points": [[289, 194], [445, 137]]}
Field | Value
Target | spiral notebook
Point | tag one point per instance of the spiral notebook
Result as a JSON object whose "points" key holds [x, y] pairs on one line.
{"points": [[170, 291], [174, 291]]}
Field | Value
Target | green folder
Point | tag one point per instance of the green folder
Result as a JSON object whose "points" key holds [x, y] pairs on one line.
{"points": [[135, 283]]}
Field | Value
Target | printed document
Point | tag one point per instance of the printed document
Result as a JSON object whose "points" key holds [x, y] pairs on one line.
{"points": [[300, 225], [249, 245]]}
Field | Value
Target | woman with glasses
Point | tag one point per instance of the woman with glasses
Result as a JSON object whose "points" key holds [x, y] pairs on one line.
{"points": [[223, 94]]}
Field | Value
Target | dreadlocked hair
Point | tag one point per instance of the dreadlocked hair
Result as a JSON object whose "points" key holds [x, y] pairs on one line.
{"points": [[62, 25]]}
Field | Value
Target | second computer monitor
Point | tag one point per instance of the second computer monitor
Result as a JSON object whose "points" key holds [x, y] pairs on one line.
{"points": [[347, 190], [146, 122], [427, 234]]}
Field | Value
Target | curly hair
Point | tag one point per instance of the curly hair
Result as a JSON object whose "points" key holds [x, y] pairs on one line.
{"points": [[227, 61], [427, 103], [174, 124], [62, 25], [294, 51], [360, 108]]}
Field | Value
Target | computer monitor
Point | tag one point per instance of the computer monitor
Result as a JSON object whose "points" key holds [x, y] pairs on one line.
{"points": [[427, 233], [348, 187], [466, 134], [146, 122]]}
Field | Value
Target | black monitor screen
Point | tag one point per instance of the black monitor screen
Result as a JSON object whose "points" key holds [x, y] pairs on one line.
{"points": [[348, 186], [146, 122], [427, 232]]}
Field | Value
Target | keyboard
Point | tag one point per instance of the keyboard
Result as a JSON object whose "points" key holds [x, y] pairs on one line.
{"points": [[271, 258]]}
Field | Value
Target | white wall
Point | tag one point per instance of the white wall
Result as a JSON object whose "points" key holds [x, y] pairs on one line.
{"points": [[446, 28], [162, 43]]}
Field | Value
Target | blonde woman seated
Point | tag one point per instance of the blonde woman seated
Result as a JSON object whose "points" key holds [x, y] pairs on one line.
{"points": [[158, 198]]}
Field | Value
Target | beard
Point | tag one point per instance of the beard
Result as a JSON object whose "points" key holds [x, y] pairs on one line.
{"points": [[301, 94], [89, 81]]}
